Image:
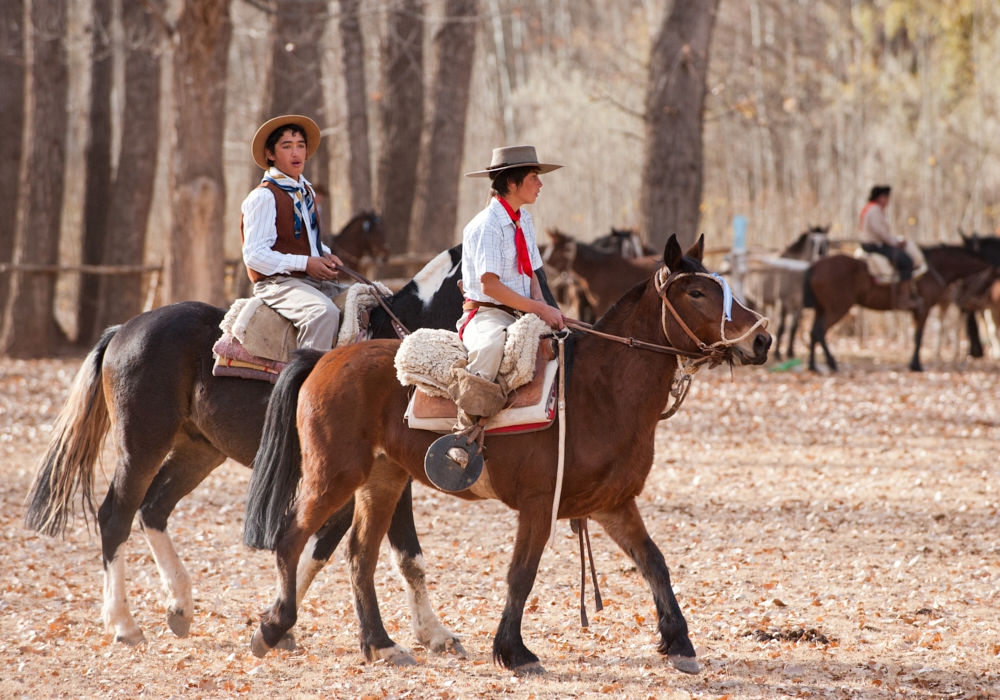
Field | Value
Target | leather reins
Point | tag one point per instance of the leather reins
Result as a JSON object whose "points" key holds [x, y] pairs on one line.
{"points": [[401, 330]]}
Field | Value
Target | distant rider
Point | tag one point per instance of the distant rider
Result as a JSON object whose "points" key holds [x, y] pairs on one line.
{"points": [[877, 238]]}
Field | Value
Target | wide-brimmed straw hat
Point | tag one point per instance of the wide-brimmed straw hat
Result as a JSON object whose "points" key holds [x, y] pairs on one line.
{"points": [[513, 157], [267, 128]]}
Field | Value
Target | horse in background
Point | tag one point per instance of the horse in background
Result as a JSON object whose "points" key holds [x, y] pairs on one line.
{"points": [[782, 287], [836, 283], [361, 243], [625, 242], [988, 249], [591, 281]]}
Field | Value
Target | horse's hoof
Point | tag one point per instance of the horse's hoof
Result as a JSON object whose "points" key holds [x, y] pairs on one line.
{"points": [[394, 656], [685, 664], [287, 642], [178, 624], [532, 669], [453, 646], [134, 639], [257, 644]]}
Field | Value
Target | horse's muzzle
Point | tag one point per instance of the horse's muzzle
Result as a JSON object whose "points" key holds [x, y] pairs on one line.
{"points": [[757, 353]]}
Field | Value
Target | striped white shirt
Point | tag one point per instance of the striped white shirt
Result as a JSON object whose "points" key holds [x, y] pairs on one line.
{"points": [[260, 233], [488, 246]]}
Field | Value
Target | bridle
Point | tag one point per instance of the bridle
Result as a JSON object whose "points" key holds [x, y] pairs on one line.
{"points": [[688, 362]]}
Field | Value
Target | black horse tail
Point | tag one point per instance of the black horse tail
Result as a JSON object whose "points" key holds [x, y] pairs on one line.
{"points": [[77, 440], [808, 298], [277, 467]]}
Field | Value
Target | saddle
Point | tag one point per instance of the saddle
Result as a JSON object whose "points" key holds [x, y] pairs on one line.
{"points": [[884, 272], [257, 342], [426, 357]]}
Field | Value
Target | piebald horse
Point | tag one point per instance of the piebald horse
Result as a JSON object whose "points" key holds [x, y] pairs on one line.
{"points": [[352, 442], [149, 382]]}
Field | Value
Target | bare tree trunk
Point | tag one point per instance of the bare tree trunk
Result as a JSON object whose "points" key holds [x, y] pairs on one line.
{"points": [[120, 296], [12, 117], [195, 264], [296, 76], [455, 43], [359, 156], [672, 170], [99, 181], [402, 111], [29, 327]]}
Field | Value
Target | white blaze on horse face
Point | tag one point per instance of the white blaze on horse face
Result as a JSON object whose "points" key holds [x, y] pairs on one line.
{"points": [[307, 570], [433, 275], [173, 575], [117, 618]]}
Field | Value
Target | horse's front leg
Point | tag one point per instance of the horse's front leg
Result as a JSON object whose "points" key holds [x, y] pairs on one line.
{"points": [[509, 650], [624, 525], [919, 321], [409, 561]]}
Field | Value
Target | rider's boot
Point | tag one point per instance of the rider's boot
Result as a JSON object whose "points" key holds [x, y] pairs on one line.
{"points": [[907, 300]]}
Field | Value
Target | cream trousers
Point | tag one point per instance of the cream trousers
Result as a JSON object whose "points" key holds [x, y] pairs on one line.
{"points": [[484, 338], [308, 304]]}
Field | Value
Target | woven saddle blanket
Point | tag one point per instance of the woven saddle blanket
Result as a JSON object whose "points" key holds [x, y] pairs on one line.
{"points": [[257, 342], [425, 360]]}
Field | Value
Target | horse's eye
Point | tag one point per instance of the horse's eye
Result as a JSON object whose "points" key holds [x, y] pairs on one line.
{"points": [[695, 294]]}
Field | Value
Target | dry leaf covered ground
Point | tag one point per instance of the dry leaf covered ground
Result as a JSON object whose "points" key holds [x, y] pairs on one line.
{"points": [[827, 537]]}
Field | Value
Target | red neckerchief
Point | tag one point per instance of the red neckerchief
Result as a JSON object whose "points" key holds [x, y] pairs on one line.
{"points": [[523, 257], [861, 220]]}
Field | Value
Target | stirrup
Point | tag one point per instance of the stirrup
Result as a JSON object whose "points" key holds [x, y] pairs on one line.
{"points": [[455, 462]]}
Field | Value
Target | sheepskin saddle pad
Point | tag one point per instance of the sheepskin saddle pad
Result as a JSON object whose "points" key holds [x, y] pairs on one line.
{"points": [[883, 271], [426, 357], [257, 341]]}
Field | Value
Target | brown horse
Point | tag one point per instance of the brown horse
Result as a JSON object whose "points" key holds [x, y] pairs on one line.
{"points": [[361, 243], [354, 442], [602, 278], [834, 284]]}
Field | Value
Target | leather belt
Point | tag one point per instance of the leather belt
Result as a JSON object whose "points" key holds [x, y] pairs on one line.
{"points": [[469, 305]]}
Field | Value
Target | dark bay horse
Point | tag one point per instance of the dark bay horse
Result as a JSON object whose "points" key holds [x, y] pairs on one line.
{"points": [[625, 242], [174, 422], [834, 284], [355, 443], [602, 278], [987, 248], [361, 243]]}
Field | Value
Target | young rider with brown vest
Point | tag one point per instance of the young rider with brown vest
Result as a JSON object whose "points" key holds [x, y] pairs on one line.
{"points": [[292, 271]]}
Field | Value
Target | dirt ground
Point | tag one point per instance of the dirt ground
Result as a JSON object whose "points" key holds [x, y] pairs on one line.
{"points": [[828, 536]]}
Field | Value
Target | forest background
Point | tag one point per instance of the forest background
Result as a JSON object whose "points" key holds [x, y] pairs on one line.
{"points": [[807, 103]]}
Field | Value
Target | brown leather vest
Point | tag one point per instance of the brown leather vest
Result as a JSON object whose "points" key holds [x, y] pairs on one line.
{"points": [[284, 222]]}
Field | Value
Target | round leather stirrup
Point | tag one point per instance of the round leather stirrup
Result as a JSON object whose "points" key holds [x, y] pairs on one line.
{"points": [[452, 464]]}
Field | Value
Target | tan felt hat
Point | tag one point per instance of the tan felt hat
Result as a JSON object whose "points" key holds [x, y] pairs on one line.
{"points": [[513, 157], [313, 136]]}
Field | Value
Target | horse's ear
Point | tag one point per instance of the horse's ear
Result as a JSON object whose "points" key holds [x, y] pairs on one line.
{"points": [[697, 251], [672, 254]]}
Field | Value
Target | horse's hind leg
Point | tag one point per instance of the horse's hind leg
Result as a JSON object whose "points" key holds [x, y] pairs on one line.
{"points": [[409, 561], [186, 466], [624, 525], [127, 491], [796, 319], [371, 522], [320, 497], [320, 548], [781, 331]]}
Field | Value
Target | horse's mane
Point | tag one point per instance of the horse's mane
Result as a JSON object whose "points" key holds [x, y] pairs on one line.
{"points": [[799, 245]]}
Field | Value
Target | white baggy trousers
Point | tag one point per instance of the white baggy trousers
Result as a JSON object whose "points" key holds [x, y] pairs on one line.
{"points": [[308, 304], [484, 338]]}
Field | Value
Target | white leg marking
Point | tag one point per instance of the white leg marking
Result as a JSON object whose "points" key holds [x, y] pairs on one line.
{"points": [[394, 655], [307, 570], [115, 613], [427, 628], [173, 575]]}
